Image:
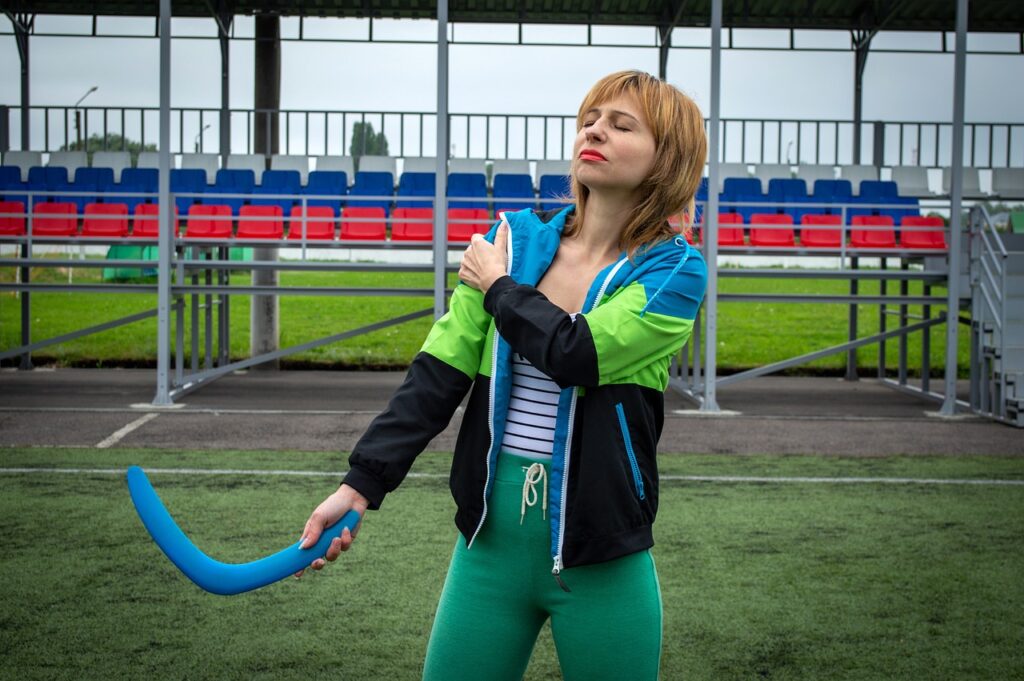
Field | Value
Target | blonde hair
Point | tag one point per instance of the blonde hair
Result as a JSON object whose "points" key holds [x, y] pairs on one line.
{"points": [[680, 145]]}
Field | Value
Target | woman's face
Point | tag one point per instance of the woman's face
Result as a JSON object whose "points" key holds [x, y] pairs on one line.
{"points": [[614, 149]]}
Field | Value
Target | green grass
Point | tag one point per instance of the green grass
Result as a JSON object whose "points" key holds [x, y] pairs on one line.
{"points": [[750, 334], [779, 581]]}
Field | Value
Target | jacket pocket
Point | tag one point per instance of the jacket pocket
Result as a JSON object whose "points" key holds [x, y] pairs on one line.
{"points": [[638, 481]]}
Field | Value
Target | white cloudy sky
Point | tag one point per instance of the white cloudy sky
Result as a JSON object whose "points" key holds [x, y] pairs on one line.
{"points": [[506, 79]]}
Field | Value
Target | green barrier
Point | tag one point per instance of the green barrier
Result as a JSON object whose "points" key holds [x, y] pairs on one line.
{"points": [[1017, 222], [130, 253]]}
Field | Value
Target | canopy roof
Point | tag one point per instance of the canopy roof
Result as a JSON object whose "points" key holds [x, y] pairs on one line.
{"points": [[1002, 16]]}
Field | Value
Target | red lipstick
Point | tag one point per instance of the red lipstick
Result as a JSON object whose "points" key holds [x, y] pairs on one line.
{"points": [[591, 155]]}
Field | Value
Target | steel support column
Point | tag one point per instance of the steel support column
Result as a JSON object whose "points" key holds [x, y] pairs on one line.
{"points": [[710, 402], [166, 232], [862, 47], [955, 226], [440, 191], [223, 28]]}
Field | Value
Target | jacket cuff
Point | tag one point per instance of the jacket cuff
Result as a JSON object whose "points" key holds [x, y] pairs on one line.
{"points": [[367, 485], [500, 286]]}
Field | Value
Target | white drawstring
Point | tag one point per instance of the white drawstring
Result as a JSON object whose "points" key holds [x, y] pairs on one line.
{"points": [[534, 474]]}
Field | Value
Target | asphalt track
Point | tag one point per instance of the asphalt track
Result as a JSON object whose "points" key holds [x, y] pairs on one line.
{"points": [[328, 411]]}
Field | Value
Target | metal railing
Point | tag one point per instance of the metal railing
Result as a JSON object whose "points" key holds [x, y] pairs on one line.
{"points": [[498, 136], [988, 269]]}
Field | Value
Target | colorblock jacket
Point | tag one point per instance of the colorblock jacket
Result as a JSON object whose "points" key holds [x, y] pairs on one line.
{"points": [[612, 363]]}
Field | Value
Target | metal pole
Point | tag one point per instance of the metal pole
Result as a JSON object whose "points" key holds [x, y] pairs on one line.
{"points": [[440, 190], [225, 91], [956, 186], [163, 296], [710, 402]]}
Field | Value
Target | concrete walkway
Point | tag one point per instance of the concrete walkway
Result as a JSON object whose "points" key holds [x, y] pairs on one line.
{"points": [[328, 411]]}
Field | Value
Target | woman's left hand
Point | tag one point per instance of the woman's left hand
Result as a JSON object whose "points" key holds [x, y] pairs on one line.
{"points": [[484, 262]]}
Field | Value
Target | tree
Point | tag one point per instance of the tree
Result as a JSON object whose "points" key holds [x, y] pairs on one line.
{"points": [[366, 142], [109, 142]]}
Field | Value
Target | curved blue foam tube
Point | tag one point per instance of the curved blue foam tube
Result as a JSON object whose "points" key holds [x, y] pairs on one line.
{"points": [[214, 576]]}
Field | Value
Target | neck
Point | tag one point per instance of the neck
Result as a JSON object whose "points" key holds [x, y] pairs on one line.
{"points": [[606, 218]]}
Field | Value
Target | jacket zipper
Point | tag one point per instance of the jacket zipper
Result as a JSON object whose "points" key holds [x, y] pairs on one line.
{"points": [[490, 406], [638, 482], [556, 570]]}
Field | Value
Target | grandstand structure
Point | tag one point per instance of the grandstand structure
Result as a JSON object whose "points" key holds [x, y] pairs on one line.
{"points": [[195, 206]]}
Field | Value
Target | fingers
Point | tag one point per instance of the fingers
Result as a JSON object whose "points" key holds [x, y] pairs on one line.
{"points": [[311, 532]]}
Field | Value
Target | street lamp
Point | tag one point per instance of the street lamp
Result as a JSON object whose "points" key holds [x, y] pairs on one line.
{"points": [[205, 128], [78, 115]]}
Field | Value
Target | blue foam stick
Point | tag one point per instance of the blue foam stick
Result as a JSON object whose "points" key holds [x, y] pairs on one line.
{"points": [[214, 576]]}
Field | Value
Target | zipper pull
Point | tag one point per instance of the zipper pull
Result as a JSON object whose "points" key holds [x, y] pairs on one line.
{"points": [[556, 572]]}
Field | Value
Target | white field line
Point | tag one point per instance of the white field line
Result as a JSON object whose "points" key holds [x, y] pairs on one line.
{"points": [[444, 476], [116, 436]]}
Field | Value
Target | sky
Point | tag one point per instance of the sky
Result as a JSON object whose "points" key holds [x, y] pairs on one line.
{"points": [[504, 79]]}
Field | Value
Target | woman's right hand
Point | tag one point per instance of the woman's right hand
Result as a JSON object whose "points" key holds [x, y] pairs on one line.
{"points": [[326, 514]]}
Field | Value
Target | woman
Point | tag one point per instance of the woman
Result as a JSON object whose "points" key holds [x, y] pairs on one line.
{"points": [[561, 330]]}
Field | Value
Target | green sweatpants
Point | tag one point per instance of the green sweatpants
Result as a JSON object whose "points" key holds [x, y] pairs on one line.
{"points": [[498, 595]]}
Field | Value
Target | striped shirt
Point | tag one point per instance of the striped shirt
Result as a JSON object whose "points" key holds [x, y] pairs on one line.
{"points": [[530, 424]]}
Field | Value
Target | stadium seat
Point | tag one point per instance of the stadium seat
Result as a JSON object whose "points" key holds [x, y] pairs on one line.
{"points": [[378, 164], [138, 180], [463, 223], [1008, 183], [727, 170], [746, 192], [299, 164], [471, 185], [767, 172], [554, 187], [788, 194], [13, 223], [728, 235], [208, 221], [343, 164], [319, 223], [208, 163], [415, 164], [231, 181], [146, 221], [876, 236], [916, 238], [117, 161], [911, 181], [151, 159], [972, 183], [254, 163], [54, 219], [333, 183], [105, 220], [260, 222], [858, 173], [378, 184], [69, 160], [472, 166], [412, 224], [506, 166], [187, 181], [363, 223], [278, 182], [415, 185], [96, 181], [812, 173], [811, 237], [509, 186], [780, 236], [23, 160]]}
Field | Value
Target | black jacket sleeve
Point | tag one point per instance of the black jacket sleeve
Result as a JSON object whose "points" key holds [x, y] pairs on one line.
{"points": [[420, 409], [543, 333]]}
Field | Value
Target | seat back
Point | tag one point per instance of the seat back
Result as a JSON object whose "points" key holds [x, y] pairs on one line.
{"points": [[363, 223], [876, 231], [260, 222], [12, 218], [779, 234], [555, 187], [463, 223], [105, 220], [812, 237], [146, 219], [23, 160], [918, 231], [318, 222], [412, 224], [54, 219], [473, 185], [117, 161], [206, 221]]}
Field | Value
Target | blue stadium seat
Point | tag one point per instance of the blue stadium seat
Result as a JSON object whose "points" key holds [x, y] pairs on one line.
{"points": [[278, 182], [554, 187], [372, 184], [95, 180], [787, 194], [232, 181], [51, 179], [414, 184], [326, 183], [831, 191], [143, 180], [745, 190], [468, 185], [508, 186], [10, 182], [190, 181]]}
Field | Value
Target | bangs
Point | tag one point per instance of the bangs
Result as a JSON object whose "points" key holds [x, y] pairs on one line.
{"points": [[641, 87]]}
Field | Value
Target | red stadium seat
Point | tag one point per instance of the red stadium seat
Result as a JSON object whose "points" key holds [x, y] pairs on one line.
{"points": [[363, 223], [208, 222], [412, 224], [463, 223], [730, 236], [693, 238], [773, 237], [260, 222], [821, 238], [54, 219], [319, 223], [105, 220], [147, 224], [12, 225], [877, 236], [916, 238]]}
